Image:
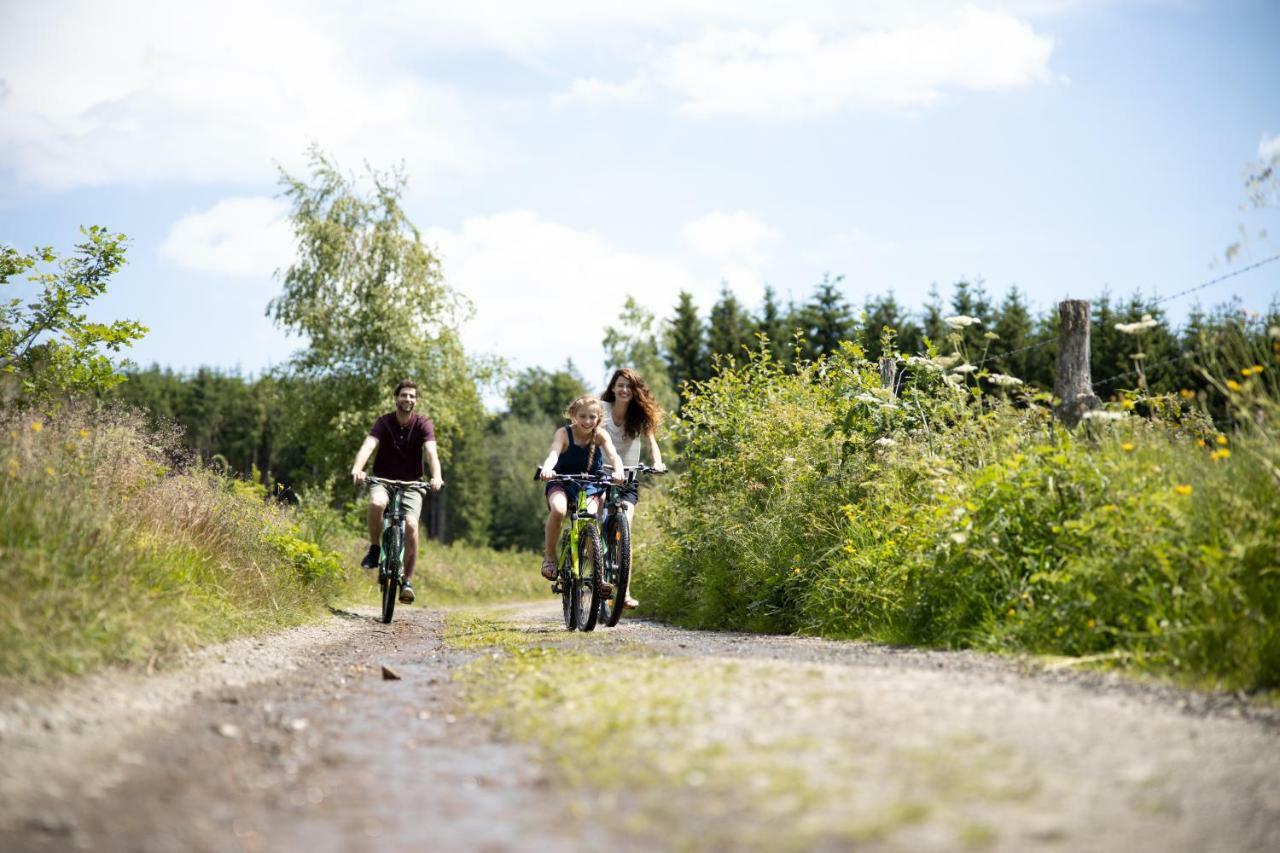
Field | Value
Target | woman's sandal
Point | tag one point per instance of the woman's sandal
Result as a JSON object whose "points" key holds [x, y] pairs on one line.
{"points": [[630, 603], [549, 569]]}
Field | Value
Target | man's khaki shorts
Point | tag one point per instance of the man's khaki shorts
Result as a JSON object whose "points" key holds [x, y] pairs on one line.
{"points": [[411, 500]]}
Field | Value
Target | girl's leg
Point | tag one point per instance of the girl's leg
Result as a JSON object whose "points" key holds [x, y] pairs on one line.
{"points": [[557, 507]]}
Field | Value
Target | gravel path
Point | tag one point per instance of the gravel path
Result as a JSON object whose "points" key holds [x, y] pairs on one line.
{"points": [[297, 741]]}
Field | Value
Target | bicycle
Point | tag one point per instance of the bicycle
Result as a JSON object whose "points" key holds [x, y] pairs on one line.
{"points": [[391, 560], [579, 558], [617, 545]]}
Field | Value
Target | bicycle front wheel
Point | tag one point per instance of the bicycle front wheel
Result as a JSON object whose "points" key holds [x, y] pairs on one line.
{"points": [[617, 567], [590, 572], [392, 543], [568, 583]]}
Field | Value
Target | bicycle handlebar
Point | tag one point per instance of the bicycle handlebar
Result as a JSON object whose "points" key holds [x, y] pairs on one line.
{"points": [[408, 484], [572, 478]]}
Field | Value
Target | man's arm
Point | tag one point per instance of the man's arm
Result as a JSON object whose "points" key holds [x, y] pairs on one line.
{"points": [[362, 459], [433, 460]]}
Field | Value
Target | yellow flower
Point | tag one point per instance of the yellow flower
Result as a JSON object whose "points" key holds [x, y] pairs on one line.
{"points": [[49, 470], [1127, 447], [84, 433], [1127, 405], [1012, 612], [1183, 489], [1233, 385], [1200, 442], [1091, 624], [796, 570], [1187, 394], [1221, 440], [1224, 453], [36, 426]]}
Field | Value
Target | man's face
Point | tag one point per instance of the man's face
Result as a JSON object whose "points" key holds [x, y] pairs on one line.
{"points": [[406, 400]]}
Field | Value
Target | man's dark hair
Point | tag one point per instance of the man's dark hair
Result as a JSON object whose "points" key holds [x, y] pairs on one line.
{"points": [[403, 385]]}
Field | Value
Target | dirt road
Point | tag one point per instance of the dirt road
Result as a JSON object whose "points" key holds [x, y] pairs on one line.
{"points": [[503, 732]]}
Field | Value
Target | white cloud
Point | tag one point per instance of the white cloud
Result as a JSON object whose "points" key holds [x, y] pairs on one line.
{"points": [[736, 237], [595, 91], [1269, 148], [795, 70], [243, 237], [545, 291], [138, 92]]}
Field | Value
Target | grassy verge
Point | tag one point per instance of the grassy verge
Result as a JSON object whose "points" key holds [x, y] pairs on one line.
{"points": [[113, 553], [708, 754], [957, 513]]}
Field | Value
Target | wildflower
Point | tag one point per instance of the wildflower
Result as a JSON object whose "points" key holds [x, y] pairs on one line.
{"points": [[1200, 442], [1187, 394], [959, 538], [960, 321], [868, 398], [49, 470], [849, 549], [964, 368], [1139, 356], [1004, 381], [1127, 405], [1224, 453], [1012, 612], [1147, 322], [1127, 447], [36, 426], [1103, 415], [1233, 385], [1091, 624], [945, 361], [1273, 332], [796, 570], [84, 433], [991, 336], [1221, 440], [885, 442], [1183, 489], [920, 361], [788, 459]]}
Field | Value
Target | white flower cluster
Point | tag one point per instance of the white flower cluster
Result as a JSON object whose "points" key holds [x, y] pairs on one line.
{"points": [[964, 368], [1103, 415], [1004, 381], [921, 361], [1147, 322], [886, 442], [960, 321], [1274, 332]]}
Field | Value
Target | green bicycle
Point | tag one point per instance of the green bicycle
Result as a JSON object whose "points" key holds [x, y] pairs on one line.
{"points": [[617, 545], [580, 557]]}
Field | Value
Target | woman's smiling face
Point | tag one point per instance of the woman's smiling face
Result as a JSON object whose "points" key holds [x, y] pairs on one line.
{"points": [[622, 389]]}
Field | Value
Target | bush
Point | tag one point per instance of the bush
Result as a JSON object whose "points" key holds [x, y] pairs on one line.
{"points": [[957, 513]]}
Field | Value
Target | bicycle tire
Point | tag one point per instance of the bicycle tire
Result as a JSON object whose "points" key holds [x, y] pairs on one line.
{"points": [[393, 542], [568, 588], [590, 572], [617, 567]]}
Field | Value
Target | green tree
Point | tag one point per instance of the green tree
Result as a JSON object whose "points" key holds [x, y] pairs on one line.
{"points": [[370, 299], [827, 319], [884, 312], [48, 346], [1015, 326], [686, 351], [775, 326], [538, 394], [730, 330], [634, 343]]}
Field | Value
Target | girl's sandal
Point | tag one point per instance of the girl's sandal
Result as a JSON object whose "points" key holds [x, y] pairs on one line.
{"points": [[630, 603], [549, 569]]}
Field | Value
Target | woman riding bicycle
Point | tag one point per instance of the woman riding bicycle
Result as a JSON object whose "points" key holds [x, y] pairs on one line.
{"points": [[580, 448], [634, 413]]}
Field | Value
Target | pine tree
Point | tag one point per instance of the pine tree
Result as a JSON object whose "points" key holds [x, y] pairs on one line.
{"points": [[730, 329], [827, 319], [685, 350]]}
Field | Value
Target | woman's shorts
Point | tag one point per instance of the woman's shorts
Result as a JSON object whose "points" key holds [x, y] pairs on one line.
{"points": [[571, 491], [410, 499], [629, 493]]}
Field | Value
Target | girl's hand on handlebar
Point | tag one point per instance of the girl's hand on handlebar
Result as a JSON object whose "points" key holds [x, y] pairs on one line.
{"points": [[547, 473], [436, 484]]}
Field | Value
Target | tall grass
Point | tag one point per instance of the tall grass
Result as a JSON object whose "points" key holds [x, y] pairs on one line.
{"points": [[958, 513], [111, 551]]}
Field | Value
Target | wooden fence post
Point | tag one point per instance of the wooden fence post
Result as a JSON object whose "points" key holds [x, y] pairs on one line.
{"points": [[889, 374], [1072, 383]]}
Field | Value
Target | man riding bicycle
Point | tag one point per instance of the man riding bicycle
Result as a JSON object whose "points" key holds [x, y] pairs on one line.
{"points": [[402, 440]]}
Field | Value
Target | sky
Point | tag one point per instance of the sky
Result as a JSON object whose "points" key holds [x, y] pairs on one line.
{"points": [[565, 154]]}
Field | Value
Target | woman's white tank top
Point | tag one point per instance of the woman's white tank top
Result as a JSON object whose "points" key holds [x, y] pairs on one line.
{"points": [[628, 448]]}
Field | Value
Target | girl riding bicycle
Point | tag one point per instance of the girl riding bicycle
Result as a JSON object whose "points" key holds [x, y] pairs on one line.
{"points": [[634, 414], [580, 448]]}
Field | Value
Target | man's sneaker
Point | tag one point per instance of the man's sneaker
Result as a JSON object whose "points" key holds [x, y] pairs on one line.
{"points": [[370, 560], [406, 593]]}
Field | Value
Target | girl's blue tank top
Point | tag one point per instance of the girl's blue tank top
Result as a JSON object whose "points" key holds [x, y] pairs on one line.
{"points": [[574, 458]]}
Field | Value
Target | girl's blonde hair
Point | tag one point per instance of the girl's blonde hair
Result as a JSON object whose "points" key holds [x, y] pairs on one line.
{"points": [[586, 401]]}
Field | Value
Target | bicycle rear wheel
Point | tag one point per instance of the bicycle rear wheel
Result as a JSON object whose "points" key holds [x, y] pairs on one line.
{"points": [[392, 542], [590, 571], [617, 567]]}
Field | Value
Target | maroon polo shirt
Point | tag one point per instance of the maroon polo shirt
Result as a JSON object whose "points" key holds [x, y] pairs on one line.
{"points": [[400, 447]]}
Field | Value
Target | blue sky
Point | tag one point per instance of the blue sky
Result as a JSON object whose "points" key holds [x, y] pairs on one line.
{"points": [[563, 155]]}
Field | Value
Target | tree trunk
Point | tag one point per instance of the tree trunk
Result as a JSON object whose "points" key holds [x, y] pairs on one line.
{"points": [[1073, 384]]}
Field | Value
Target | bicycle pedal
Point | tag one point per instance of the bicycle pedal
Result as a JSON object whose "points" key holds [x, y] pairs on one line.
{"points": [[556, 588]]}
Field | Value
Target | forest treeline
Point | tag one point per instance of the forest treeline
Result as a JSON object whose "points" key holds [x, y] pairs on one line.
{"points": [[257, 426]]}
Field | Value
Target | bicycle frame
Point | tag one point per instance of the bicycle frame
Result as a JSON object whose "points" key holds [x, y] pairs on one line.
{"points": [[579, 517]]}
